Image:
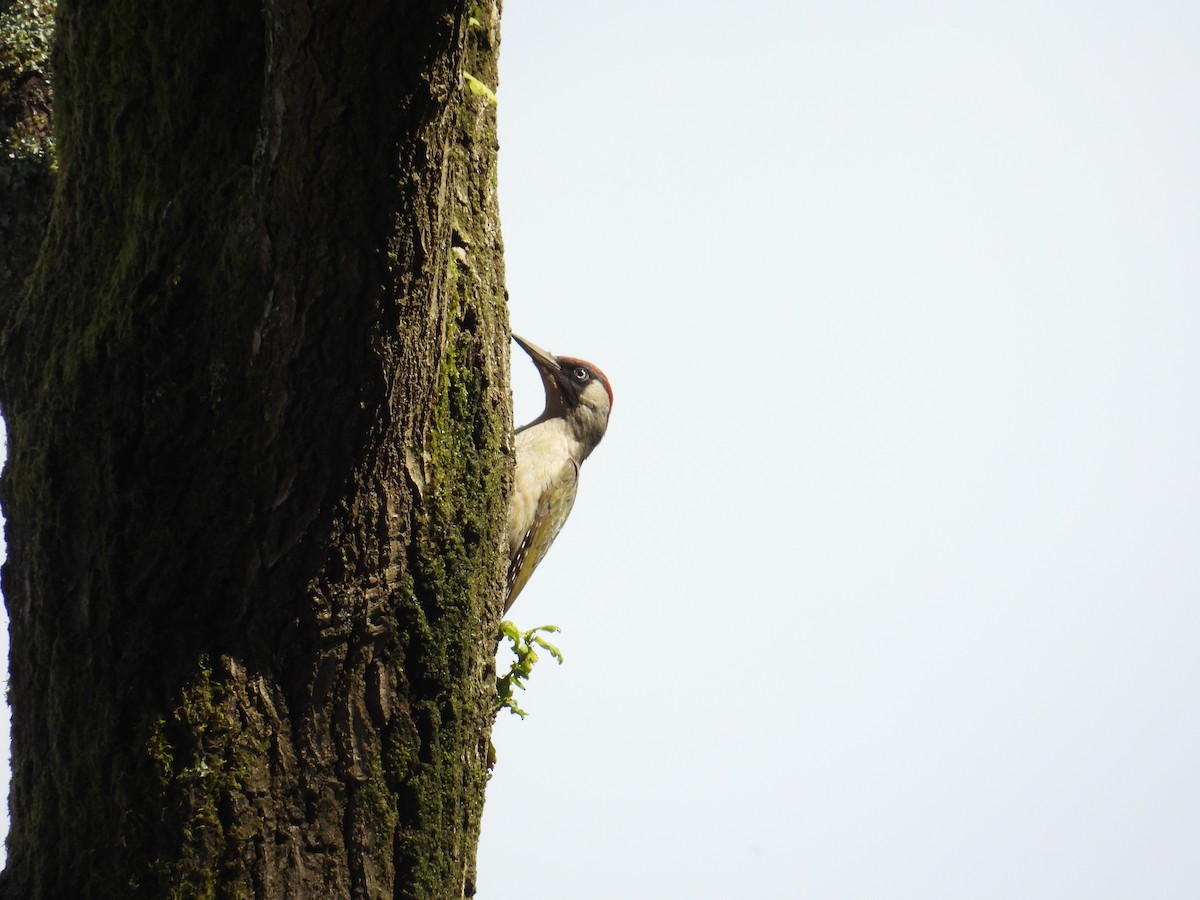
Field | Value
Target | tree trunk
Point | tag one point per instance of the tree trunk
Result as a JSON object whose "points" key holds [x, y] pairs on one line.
{"points": [[259, 436]]}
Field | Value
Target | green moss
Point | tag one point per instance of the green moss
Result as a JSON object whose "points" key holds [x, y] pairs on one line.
{"points": [[26, 30], [458, 532], [198, 759], [376, 805], [26, 33], [27, 158]]}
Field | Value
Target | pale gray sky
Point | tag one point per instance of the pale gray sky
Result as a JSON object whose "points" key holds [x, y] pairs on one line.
{"points": [[899, 508], [900, 501]]}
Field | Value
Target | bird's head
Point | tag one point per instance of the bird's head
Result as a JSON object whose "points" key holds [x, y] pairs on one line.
{"points": [[576, 391]]}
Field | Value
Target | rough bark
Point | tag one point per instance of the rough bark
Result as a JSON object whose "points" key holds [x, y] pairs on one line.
{"points": [[26, 139], [257, 398]]}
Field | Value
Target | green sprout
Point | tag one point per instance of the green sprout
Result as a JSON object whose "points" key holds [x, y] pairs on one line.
{"points": [[524, 645], [479, 88]]}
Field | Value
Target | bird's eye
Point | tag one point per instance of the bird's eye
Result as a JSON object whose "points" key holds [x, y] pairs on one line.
{"points": [[582, 374]]}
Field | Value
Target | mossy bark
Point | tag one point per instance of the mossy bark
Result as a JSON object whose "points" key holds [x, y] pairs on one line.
{"points": [[26, 137], [259, 445]]}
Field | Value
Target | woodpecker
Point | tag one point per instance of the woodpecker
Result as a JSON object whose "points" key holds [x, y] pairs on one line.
{"points": [[550, 450]]}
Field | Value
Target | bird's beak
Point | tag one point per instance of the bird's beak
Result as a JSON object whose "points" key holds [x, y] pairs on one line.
{"points": [[543, 360]]}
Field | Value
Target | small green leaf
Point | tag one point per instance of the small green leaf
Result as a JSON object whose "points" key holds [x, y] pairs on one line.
{"points": [[522, 645], [549, 647], [479, 88]]}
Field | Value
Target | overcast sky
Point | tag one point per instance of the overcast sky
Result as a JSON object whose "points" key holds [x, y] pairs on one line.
{"points": [[899, 509], [900, 501]]}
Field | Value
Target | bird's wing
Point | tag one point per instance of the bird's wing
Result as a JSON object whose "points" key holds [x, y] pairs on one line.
{"points": [[552, 511]]}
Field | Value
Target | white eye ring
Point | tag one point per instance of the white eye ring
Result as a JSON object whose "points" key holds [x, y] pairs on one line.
{"points": [[581, 373]]}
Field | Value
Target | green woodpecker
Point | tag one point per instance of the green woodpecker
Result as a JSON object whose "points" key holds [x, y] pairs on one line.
{"points": [[550, 450]]}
